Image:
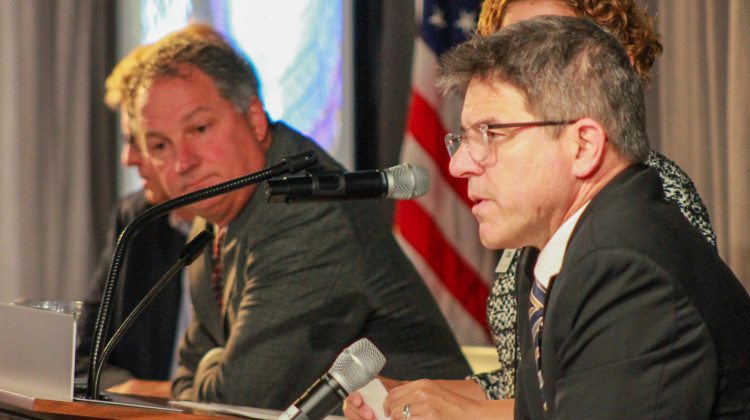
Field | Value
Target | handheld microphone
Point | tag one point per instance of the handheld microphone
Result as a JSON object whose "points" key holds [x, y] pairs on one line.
{"points": [[401, 182], [354, 368]]}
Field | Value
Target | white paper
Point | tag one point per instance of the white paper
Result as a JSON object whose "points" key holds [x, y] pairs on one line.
{"points": [[374, 394]]}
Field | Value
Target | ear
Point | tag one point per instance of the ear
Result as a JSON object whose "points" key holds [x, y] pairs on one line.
{"points": [[589, 142], [258, 120]]}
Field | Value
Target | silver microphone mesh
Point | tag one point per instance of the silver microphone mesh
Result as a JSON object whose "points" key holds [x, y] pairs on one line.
{"points": [[357, 365], [407, 181]]}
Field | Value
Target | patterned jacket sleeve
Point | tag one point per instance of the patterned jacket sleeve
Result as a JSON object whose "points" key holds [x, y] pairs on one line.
{"points": [[501, 316], [679, 189]]}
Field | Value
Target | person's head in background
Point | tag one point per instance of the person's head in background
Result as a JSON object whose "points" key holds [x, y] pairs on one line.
{"points": [[625, 19], [131, 155], [199, 119]]}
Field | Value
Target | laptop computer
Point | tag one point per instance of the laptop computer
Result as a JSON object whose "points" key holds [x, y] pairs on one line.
{"points": [[38, 349], [38, 359]]}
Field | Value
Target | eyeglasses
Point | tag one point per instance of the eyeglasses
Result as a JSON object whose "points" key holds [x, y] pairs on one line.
{"points": [[477, 138]]}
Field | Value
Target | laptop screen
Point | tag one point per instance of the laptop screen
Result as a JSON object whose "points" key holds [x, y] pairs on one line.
{"points": [[38, 352]]}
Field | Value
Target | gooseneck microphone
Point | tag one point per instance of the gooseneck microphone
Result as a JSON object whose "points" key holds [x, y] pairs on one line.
{"points": [[401, 182], [290, 164], [354, 368], [187, 255]]}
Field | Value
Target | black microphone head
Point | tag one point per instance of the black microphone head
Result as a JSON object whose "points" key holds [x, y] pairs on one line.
{"points": [[357, 365], [296, 163], [407, 181]]}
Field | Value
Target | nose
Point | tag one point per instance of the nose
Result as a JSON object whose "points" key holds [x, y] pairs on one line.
{"points": [[130, 155], [124, 155], [187, 157], [462, 165]]}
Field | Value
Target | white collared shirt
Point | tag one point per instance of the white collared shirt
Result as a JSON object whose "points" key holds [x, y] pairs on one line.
{"points": [[550, 258]]}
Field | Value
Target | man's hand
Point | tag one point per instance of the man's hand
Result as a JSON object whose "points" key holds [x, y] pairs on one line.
{"points": [[440, 399], [444, 399], [355, 407]]}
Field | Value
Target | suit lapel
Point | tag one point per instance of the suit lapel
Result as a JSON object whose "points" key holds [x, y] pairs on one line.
{"points": [[230, 277], [527, 382], [200, 290]]}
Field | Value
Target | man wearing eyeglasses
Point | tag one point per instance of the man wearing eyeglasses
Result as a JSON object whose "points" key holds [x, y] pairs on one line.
{"points": [[627, 312], [631, 313]]}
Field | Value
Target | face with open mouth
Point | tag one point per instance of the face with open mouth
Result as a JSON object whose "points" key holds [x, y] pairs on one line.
{"points": [[521, 176]]}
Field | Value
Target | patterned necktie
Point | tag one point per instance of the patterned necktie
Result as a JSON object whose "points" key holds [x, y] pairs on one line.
{"points": [[217, 281], [538, 299]]}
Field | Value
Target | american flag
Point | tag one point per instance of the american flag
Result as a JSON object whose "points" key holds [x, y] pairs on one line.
{"points": [[438, 231]]}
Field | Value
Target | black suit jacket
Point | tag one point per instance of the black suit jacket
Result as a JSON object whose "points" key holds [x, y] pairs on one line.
{"points": [[644, 320], [146, 350]]}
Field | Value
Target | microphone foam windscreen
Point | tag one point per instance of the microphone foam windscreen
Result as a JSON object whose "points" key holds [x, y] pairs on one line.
{"points": [[407, 181], [357, 365]]}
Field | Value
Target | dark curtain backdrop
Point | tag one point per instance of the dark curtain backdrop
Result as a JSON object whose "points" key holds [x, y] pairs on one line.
{"points": [[58, 143]]}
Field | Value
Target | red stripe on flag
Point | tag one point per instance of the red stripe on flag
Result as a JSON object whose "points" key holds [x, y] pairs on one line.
{"points": [[427, 128], [464, 284]]}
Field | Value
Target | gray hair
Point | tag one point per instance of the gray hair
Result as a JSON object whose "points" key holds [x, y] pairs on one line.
{"points": [[566, 68], [210, 52]]}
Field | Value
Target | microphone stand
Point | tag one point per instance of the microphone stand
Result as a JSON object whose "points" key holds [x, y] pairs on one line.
{"points": [[188, 254], [289, 164]]}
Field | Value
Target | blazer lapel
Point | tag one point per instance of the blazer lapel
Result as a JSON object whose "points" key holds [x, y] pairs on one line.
{"points": [[201, 293], [230, 277], [527, 382]]}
